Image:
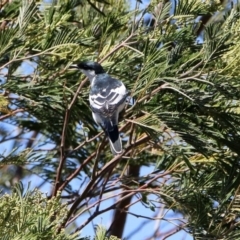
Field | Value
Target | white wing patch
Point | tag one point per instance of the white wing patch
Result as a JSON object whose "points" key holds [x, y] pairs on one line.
{"points": [[110, 103]]}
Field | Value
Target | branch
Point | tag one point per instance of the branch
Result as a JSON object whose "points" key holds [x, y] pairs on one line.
{"points": [[67, 115], [11, 113], [113, 206], [93, 182], [191, 70], [173, 231], [62, 147], [47, 52], [117, 47], [75, 173], [120, 215], [148, 96], [3, 3], [127, 194]]}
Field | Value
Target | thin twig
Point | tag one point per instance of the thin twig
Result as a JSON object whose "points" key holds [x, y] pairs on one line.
{"points": [[117, 47], [134, 49], [86, 141], [192, 69], [11, 113], [174, 231], [102, 190], [177, 90], [76, 172], [127, 194], [92, 183], [133, 203], [101, 146], [2, 3], [131, 134], [37, 54], [62, 147], [90, 207], [63, 157], [148, 96], [113, 206]]}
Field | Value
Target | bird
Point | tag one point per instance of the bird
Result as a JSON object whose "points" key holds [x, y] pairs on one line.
{"points": [[107, 98]]}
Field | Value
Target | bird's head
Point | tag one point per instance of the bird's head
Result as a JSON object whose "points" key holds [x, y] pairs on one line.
{"points": [[89, 68]]}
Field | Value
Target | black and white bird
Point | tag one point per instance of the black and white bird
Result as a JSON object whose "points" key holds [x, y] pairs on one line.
{"points": [[107, 99]]}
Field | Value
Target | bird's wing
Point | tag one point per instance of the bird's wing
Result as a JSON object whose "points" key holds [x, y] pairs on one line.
{"points": [[107, 101]]}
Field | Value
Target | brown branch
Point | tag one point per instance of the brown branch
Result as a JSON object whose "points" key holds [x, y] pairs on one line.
{"points": [[86, 141], [113, 206], [131, 134], [93, 182], [103, 190], [76, 172], [64, 131], [11, 113], [151, 94], [142, 216], [192, 69], [91, 206], [47, 52], [88, 188], [4, 24], [173, 231], [66, 119], [128, 193], [109, 197], [101, 146], [205, 19], [127, 150], [120, 215], [117, 47], [3, 3]]}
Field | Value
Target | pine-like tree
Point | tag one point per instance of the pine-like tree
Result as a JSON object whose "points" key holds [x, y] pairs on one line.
{"points": [[182, 68]]}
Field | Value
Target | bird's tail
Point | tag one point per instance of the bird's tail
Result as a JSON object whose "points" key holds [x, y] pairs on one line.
{"points": [[114, 138]]}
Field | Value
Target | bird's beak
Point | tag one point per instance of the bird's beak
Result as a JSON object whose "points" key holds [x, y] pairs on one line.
{"points": [[73, 66]]}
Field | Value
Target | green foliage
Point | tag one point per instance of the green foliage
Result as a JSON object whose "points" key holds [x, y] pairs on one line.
{"points": [[101, 234], [183, 117], [30, 215]]}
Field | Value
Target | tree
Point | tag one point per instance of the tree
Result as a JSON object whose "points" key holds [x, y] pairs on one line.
{"points": [[182, 117]]}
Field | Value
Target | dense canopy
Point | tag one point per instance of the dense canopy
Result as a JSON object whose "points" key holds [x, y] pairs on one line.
{"points": [[180, 61]]}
